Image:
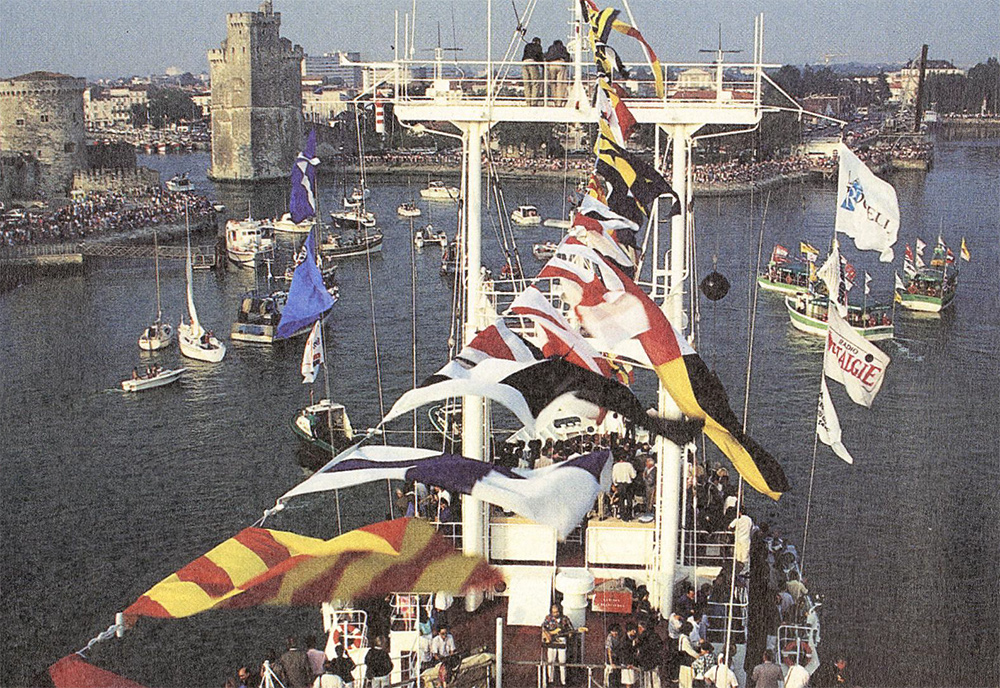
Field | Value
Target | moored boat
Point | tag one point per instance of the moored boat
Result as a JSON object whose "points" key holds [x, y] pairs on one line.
{"points": [[544, 250], [257, 317], [526, 215], [430, 235], [437, 191], [285, 224], [352, 219], [179, 184], [408, 209], [323, 427], [248, 239], [360, 243], [809, 314]]}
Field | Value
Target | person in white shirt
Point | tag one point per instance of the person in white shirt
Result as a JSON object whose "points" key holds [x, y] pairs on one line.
{"points": [[721, 676], [797, 676], [742, 527], [622, 475], [443, 644]]}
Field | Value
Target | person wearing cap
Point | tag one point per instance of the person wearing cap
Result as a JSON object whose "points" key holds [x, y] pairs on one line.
{"points": [[531, 71]]}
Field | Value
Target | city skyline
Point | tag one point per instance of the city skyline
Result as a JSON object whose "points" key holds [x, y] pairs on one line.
{"points": [[98, 39]]}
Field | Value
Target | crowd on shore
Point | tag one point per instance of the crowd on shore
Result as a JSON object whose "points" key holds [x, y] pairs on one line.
{"points": [[101, 214]]}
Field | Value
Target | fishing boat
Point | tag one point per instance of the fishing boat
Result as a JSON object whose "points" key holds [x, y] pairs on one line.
{"points": [[545, 250], [159, 335], [156, 377], [247, 240], [436, 190], [785, 278], [358, 244], [809, 314], [352, 219], [285, 224], [194, 340], [179, 184], [323, 427], [526, 215], [408, 209], [430, 235], [929, 290]]}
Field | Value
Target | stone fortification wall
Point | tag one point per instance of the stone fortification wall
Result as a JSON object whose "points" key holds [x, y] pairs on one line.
{"points": [[41, 114], [19, 175], [108, 156], [94, 181], [256, 99]]}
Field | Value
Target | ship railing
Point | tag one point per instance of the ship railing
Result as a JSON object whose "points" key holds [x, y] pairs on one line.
{"points": [[466, 82], [452, 532], [797, 643], [719, 614], [33, 250], [597, 674], [705, 548]]}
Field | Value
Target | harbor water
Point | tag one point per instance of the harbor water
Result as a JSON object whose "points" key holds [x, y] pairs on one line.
{"points": [[105, 493]]}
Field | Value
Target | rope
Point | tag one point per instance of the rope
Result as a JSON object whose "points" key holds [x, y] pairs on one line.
{"points": [[805, 530], [111, 632]]}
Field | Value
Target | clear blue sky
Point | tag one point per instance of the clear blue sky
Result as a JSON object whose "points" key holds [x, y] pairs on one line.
{"points": [[119, 37]]}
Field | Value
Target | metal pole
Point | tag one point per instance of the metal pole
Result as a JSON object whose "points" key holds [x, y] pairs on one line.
{"points": [[472, 421], [499, 653]]}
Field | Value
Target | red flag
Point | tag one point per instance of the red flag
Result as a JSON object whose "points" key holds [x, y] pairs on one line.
{"points": [[73, 671]]}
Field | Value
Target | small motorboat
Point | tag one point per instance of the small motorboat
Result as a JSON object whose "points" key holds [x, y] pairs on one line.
{"points": [[338, 246], [313, 425], [179, 184], [153, 377], [437, 191], [246, 239], [352, 219], [408, 209], [526, 215]]}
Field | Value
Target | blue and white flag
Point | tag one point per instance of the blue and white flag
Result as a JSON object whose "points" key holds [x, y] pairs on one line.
{"points": [[559, 495], [302, 200], [867, 208], [308, 298]]}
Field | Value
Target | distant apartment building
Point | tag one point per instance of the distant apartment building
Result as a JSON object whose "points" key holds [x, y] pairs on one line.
{"points": [[108, 107], [204, 103], [330, 68], [322, 104], [829, 105], [903, 84]]}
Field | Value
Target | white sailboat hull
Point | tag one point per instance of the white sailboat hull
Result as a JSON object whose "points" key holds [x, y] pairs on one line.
{"points": [[163, 339], [192, 346]]}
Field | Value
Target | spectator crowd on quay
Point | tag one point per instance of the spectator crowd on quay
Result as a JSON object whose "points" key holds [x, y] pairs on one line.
{"points": [[100, 214]]}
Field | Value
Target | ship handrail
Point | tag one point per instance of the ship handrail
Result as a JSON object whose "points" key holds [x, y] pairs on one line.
{"points": [[591, 682]]}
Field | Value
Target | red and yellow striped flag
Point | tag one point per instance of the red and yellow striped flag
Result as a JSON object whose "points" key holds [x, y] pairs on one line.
{"points": [[272, 567]]}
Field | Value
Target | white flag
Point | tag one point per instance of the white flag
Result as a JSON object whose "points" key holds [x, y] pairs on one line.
{"points": [[312, 355], [868, 281], [828, 425], [852, 360], [867, 209], [899, 282], [920, 247], [830, 274]]}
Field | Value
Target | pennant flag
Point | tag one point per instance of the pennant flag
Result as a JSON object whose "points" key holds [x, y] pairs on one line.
{"points": [[966, 256], [613, 309], [559, 495], [898, 283], [635, 184], [867, 209], [868, 281], [73, 671], [828, 425], [940, 243], [808, 251], [920, 247], [599, 21], [852, 360], [897, 297], [909, 269], [949, 257], [313, 355], [259, 566], [830, 273], [613, 111], [779, 254], [919, 262], [849, 271], [302, 200], [308, 298]]}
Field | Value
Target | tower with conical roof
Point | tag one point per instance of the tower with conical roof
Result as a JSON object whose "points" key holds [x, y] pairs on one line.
{"points": [[256, 98]]}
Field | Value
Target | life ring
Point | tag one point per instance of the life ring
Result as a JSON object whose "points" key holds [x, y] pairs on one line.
{"points": [[800, 649], [350, 638], [912, 289]]}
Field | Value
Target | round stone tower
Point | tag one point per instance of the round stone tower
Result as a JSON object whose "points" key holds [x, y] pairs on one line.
{"points": [[41, 115]]}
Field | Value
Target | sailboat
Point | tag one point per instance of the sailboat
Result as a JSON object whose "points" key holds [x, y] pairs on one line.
{"points": [[159, 335], [194, 341]]}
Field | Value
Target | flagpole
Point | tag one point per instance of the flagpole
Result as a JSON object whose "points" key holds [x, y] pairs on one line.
{"points": [[812, 475]]}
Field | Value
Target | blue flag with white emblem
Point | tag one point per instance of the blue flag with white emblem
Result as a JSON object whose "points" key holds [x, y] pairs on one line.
{"points": [[302, 200], [558, 495], [308, 298]]}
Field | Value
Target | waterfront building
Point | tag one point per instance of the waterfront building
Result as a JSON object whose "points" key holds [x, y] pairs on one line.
{"points": [[256, 98], [42, 120], [104, 108], [903, 84], [323, 104]]}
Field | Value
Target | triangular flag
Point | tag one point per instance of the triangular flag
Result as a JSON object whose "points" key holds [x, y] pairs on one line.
{"points": [[828, 425], [966, 256], [312, 355]]}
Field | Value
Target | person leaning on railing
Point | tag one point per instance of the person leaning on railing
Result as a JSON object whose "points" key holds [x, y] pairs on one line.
{"points": [[531, 71], [556, 73]]}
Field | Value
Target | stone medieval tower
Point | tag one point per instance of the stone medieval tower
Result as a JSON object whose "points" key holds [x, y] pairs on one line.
{"points": [[256, 99], [41, 116]]}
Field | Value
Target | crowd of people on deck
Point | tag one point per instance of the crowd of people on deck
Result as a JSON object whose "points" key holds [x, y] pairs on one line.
{"points": [[307, 666], [101, 214]]}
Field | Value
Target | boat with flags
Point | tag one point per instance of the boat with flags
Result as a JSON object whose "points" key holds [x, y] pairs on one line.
{"points": [[532, 534], [809, 314], [786, 276], [929, 289]]}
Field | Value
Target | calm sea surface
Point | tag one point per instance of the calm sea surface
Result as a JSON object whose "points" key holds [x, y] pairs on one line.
{"points": [[105, 494]]}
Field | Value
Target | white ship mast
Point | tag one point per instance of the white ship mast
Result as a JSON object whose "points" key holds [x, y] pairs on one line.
{"points": [[486, 95]]}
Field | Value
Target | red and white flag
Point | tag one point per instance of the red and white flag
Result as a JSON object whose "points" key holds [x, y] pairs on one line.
{"points": [[852, 360], [312, 355]]}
